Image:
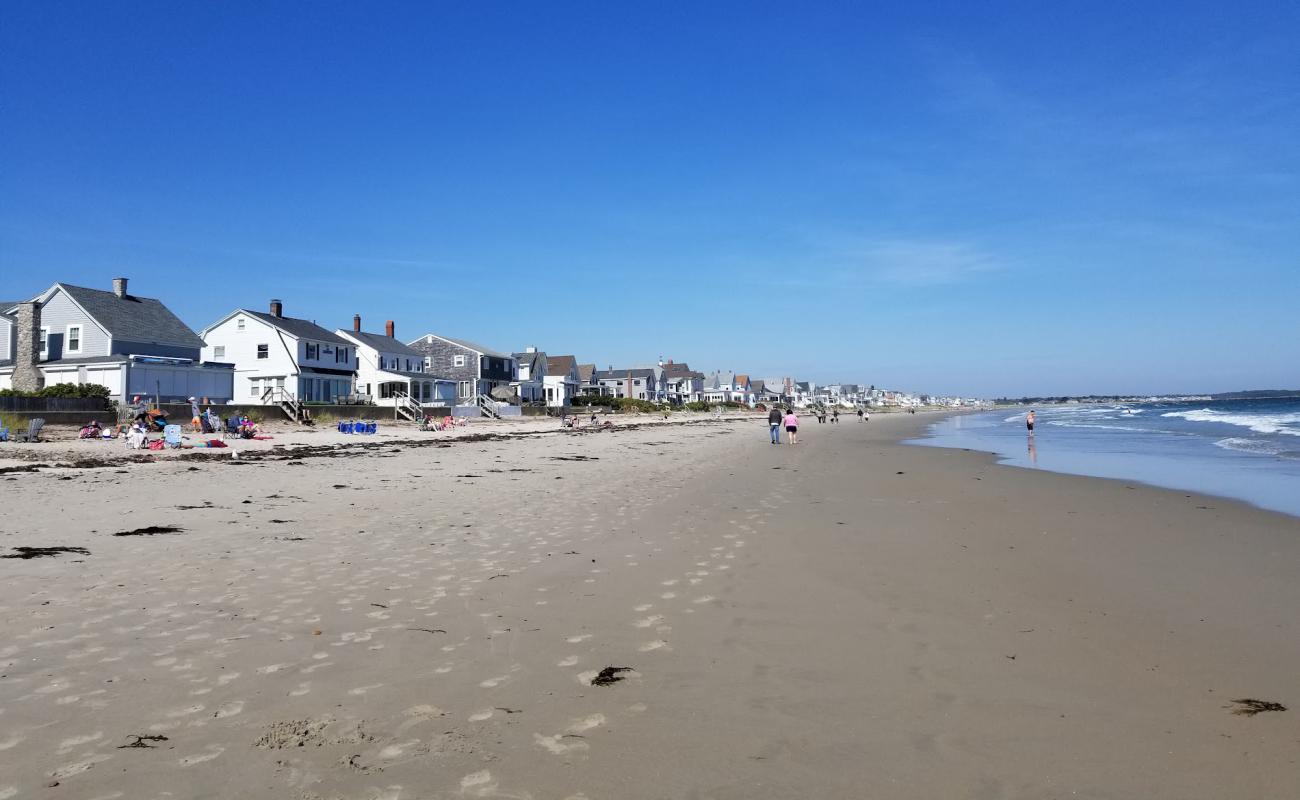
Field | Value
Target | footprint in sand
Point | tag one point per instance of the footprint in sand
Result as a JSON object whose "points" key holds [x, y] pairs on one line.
{"points": [[668, 595], [77, 741], [586, 723], [708, 598], [644, 607], [568, 661], [658, 644], [580, 638], [479, 716], [653, 619], [79, 767], [229, 709], [560, 744], [210, 752]]}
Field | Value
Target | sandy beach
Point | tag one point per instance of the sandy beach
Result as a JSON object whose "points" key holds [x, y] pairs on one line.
{"points": [[420, 615]]}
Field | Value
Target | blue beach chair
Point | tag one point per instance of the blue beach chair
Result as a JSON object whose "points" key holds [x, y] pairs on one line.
{"points": [[172, 436]]}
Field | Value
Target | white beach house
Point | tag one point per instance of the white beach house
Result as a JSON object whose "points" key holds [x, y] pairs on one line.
{"points": [[281, 359], [392, 374]]}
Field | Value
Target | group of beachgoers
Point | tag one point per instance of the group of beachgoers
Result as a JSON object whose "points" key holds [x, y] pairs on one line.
{"points": [[779, 418]]}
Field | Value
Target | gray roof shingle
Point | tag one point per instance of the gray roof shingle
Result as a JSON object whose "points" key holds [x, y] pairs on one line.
{"points": [[303, 329], [468, 345], [620, 374], [385, 344], [134, 319]]}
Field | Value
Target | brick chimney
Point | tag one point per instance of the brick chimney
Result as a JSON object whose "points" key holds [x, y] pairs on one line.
{"points": [[388, 330], [119, 287], [27, 377], [356, 323], [277, 308]]}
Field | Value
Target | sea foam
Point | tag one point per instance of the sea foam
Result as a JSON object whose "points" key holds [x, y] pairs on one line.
{"points": [[1260, 423]]}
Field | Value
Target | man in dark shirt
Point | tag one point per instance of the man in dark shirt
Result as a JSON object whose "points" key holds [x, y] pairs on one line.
{"points": [[774, 423]]}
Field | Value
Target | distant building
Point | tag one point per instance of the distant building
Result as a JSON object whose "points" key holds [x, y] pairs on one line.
{"points": [[477, 370], [389, 372], [561, 381], [281, 359], [131, 345]]}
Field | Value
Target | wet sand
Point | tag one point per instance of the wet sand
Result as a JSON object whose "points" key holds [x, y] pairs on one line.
{"points": [[848, 617]]}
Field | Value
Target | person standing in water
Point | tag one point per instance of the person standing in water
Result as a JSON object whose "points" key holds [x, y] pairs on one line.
{"points": [[1029, 421], [791, 425], [774, 418]]}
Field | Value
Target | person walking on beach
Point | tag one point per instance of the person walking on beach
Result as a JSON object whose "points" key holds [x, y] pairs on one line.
{"points": [[774, 418], [196, 423], [791, 425], [860, 415], [835, 415], [1029, 421]]}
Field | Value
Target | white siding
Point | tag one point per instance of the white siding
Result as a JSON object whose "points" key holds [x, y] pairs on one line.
{"points": [[241, 350]]}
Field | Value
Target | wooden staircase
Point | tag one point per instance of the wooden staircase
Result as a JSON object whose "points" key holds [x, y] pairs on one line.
{"points": [[276, 395], [489, 406], [407, 406]]}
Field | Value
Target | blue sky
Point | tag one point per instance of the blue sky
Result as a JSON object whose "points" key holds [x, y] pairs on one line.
{"points": [[978, 198]]}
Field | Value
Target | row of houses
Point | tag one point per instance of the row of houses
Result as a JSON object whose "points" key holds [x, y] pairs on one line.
{"points": [[135, 345]]}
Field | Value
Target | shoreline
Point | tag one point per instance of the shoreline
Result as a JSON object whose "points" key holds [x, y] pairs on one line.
{"points": [[1125, 467], [852, 616]]}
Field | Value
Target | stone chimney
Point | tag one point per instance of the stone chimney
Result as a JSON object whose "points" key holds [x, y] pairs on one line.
{"points": [[27, 377], [277, 308], [356, 323], [388, 330], [119, 287]]}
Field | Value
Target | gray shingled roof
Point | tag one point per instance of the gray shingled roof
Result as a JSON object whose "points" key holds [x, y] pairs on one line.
{"points": [[621, 374], [385, 344], [465, 343], [303, 329], [531, 359], [134, 319]]}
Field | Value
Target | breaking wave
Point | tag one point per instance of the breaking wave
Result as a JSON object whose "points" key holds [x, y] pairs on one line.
{"points": [[1259, 423]]}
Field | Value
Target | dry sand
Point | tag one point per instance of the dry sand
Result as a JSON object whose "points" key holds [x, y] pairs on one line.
{"points": [[844, 618]]}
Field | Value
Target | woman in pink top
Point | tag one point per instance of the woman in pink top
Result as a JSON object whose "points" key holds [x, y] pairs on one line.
{"points": [[791, 423]]}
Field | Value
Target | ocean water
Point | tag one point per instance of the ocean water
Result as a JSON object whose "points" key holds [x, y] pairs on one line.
{"points": [[1244, 449]]}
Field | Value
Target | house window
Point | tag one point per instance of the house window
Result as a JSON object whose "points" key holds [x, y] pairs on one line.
{"points": [[313, 350], [636, 382], [458, 361], [73, 339], [464, 388], [428, 363], [340, 355], [264, 351], [239, 324], [45, 342], [219, 352]]}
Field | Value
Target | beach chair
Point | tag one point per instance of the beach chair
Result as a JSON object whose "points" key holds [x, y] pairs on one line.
{"points": [[172, 436], [231, 430], [33, 431], [4, 434]]}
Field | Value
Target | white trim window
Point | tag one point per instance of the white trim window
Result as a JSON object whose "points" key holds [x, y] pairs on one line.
{"points": [[464, 388], [45, 342], [313, 351], [458, 361], [219, 352], [72, 340], [239, 324]]}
